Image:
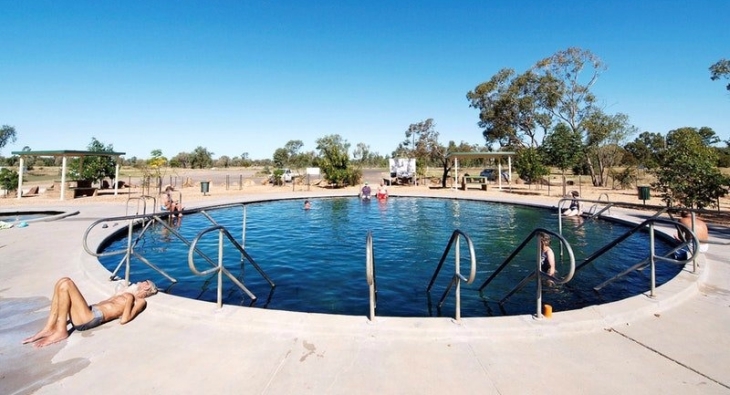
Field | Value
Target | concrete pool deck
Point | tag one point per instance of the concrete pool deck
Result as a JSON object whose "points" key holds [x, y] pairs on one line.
{"points": [[676, 342]]}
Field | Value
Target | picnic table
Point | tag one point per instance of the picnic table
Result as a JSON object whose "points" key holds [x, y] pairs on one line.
{"points": [[474, 180]]}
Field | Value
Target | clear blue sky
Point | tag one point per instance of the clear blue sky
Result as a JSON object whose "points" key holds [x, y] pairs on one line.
{"points": [[248, 76]]}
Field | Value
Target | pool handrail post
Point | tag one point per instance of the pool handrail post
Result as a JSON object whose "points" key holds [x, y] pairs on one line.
{"points": [[538, 280], [220, 266], [457, 277], [370, 274]]}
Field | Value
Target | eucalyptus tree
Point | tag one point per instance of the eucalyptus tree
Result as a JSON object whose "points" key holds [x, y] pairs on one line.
{"points": [[687, 174], [605, 136], [361, 153], [721, 69], [182, 159], [7, 135], [509, 111], [201, 158], [422, 143]]}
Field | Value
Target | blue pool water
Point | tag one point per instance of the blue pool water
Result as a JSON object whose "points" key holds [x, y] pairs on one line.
{"points": [[18, 216], [316, 257]]}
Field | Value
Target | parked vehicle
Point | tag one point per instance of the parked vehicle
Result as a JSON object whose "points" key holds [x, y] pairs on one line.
{"points": [[490, 174]]}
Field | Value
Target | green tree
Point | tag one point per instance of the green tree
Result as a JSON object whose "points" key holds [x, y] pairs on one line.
{"points": [[723, 155], [94, 168], [245, 160], [7, 135], [509, 111], [334, 160], [566, 79], [224, 161], [8, 180], [605, 136], [687, 174], [423, 140], [721, 69], [201, 158], [563, 149], [182, 159], [281, 157], [156, 160], [530, 165], [361, 154], [646, 149]]}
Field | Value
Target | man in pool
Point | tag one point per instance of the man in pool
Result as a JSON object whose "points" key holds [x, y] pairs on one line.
{"points": [[69, 305], [700, 229], [365, 192]]}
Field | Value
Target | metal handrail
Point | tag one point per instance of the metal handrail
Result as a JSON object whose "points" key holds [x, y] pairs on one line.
{"points": [[562, 201], [537, 274], [220, 269], [653, 257], [457, 278], [146, 220], [370, 274], [619, 239], [142, 199]]}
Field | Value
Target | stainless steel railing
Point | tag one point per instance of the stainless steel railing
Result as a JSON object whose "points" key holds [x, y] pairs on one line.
{"points": [[145, 221], [537, 274], [457, 278], [219, 268], [370, 274]]}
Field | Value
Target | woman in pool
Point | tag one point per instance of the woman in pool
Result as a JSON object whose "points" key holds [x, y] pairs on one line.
{"points": [[69, 305], [547, 256], [575, 208]]}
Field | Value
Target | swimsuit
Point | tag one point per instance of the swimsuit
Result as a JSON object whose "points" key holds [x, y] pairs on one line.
{"points": [[96, 321], [544, 264]]}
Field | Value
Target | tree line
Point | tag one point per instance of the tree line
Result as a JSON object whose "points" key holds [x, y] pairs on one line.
{"points": [[547, 114]]}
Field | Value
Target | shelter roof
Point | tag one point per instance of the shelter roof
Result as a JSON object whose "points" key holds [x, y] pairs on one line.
{"points": [[480, 155], [67, 153]]}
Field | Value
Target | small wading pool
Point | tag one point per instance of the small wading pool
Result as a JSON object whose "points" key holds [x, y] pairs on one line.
{"points": [[27, 216], [316, 257]]}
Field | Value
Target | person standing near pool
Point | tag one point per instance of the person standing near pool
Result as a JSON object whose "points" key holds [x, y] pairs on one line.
{"points": [[547, 256], [69, 305]]}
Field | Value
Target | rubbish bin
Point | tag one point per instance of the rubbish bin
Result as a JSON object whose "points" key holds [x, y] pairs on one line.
{"points": [[644, 193], [205, 187]]}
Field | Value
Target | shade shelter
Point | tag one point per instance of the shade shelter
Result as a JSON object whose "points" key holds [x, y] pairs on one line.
{"points": [[484, 155], [65, 154]]}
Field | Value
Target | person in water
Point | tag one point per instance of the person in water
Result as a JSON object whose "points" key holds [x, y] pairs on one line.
{"points": [[700, 229], [575, 208], [307, 205], [382, 192], [366, 191], [69, 306], [547, 256]]}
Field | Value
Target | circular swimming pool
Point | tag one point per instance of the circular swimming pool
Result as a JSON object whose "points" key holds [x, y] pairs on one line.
{"points": [[316, 257]]}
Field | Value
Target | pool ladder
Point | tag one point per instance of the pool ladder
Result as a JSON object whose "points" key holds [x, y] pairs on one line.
{"points": [[457, 277], [145, 221], [537, 274]]}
